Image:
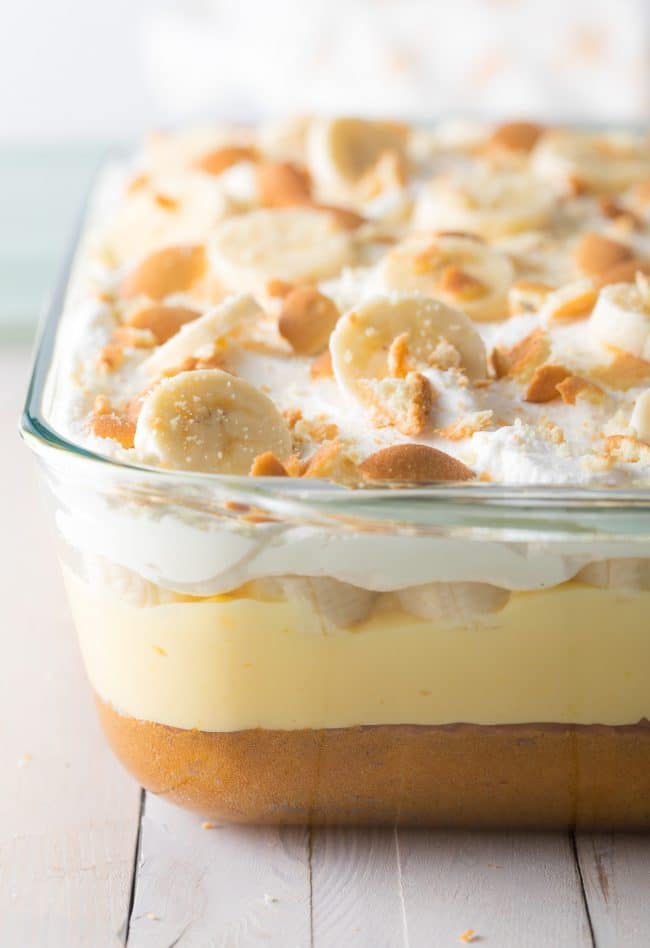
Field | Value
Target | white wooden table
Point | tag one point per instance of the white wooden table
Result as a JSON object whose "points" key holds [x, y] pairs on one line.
{"points": [[87, 860]]}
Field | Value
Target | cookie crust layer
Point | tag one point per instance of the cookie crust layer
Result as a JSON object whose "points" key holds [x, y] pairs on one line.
{"points": [[525, 775]]}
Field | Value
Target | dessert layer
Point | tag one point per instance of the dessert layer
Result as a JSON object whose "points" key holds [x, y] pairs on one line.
{"points": [[359, 302], [295, 302], [536, 776], [206, 555], [573, 654]]}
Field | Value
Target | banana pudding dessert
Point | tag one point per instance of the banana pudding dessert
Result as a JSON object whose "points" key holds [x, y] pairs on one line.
{"points": [[350, 458]]}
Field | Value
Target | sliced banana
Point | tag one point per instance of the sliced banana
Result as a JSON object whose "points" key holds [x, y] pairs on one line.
{"points": [[621, 317], [124, 583], [334, 604], [338, 605], [486, 202], [380, 350], [342, 150], [599, 162], [640, 420], [299, 245], [226, 321], [454, 604], [208, 420], [165, 210], [631, 573], [362, 341], [461, 271]]}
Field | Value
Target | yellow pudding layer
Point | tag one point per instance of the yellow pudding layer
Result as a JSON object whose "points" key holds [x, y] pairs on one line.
{"points": [[571, 654]]}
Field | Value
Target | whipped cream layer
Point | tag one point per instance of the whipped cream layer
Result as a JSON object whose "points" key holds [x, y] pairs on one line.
{"points": [[501, 227], [570, 655], [381, 288]]}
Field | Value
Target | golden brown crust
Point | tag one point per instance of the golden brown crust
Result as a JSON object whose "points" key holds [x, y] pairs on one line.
{"points": [[331, 462], [575, 387], [282, 184], [521, 360], [162, 321], [516, 136], [163, 272], [622, 273], [576, 306], [625, 371], [543, 385], [307, 319], [596, 254], [277, 289], [117, 425], [527, 775], [413, 463], [457, 282], [267, 465]]}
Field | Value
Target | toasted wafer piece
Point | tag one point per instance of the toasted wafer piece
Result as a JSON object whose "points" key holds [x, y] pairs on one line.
{"points": [[516, 136], [307, 319], [163, 321], [595, 254], [267, 465], [166, 271], [282, 184], [413, 463], [543, 385], [332, 463]]}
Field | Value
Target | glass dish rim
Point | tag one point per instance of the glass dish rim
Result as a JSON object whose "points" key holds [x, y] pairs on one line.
{"points": [[315, 496]]}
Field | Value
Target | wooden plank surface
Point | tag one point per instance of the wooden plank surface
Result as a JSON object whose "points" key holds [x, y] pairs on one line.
{"points": [[219, 886], [512, 889], [68, 813], [615, 870], [356, 897]]}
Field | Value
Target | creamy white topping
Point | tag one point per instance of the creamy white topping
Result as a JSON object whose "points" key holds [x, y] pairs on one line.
{"points": [[506, 425]]}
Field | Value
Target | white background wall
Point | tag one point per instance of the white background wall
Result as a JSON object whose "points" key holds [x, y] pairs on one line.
{"points": [[85, 68], [77, 75]]}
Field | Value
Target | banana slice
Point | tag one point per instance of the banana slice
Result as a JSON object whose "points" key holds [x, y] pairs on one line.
{"points": [[200, 337], [337, 605], [640, 420], [362, 342], [342, 150], [483, 201], [125, 583], [454, 604], [380, 349], [631, 573], [334, 604], [461, 271], [599, 162], [208, 420], [162, 211], [299, 245], [621, 317]]}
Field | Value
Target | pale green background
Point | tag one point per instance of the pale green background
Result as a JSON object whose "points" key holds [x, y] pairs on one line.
{"points": [[41, 191]]}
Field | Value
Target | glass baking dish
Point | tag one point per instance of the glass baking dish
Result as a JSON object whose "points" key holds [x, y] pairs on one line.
{"points": [[272, 650]]}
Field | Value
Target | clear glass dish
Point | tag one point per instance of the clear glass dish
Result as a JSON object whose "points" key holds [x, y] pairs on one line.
{"points": [[279, 650]]}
